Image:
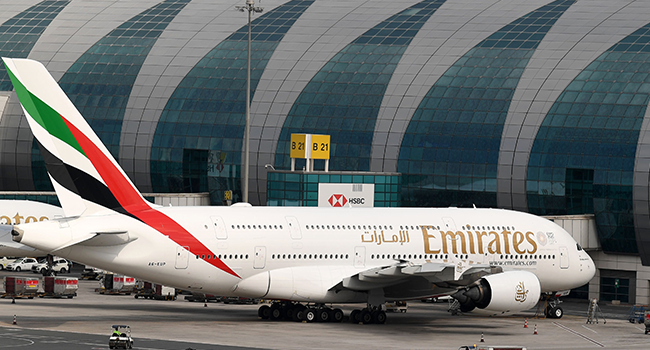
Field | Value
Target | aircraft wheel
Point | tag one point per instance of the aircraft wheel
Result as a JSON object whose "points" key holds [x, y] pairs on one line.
{"points": [[323, 315], [337, 315], [289, 312], [276, 312], [264, 312], [557, 312], [310, 315], [299, 313], [366, 316], [355, 316], [379, 317]]}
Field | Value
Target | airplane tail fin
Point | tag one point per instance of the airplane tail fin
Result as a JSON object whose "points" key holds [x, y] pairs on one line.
{"points": [[86, 177]]}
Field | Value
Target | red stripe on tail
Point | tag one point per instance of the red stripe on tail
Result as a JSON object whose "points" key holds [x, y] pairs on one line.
{"points": [[133, 203]]}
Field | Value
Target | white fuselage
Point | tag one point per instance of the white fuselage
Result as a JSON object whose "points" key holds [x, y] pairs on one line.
{"points": [[323, 244]]}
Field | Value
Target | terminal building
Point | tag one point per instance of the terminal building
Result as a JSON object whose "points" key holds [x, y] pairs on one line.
{"points": [[536, 106]]}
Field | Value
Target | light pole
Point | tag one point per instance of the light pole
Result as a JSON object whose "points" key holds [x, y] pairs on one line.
{"points": [[250, 7]]}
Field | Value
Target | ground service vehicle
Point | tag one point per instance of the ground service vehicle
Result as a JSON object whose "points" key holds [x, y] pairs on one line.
{"points": [[120, 337], [489, 259], [21, 264], [91, 273], [60, 265], [4, 261]]}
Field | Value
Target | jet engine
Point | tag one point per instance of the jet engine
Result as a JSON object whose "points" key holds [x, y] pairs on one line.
{"points": [[503, 292]]}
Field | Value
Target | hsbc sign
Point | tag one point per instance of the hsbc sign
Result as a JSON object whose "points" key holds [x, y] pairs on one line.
{"points": [[346, 195], [337, 200]]}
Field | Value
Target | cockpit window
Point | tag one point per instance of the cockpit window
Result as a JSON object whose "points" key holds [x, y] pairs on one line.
{"points": [[579, 247]]}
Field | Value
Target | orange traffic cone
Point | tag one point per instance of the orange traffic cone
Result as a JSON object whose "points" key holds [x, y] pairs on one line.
{"points": [[15, 320], [535, 332], [525, 323], [482, 338]]}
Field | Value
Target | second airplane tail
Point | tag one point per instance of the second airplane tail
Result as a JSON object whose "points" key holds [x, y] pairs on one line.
{"points": [[86, 177]]}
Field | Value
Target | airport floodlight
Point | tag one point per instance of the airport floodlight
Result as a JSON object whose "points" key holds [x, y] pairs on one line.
{"points": [[251, 8]]}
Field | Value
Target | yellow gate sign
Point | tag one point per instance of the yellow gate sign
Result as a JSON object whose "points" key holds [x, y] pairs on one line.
{"points": [[298, 146], [227, 195], [320, 146]]}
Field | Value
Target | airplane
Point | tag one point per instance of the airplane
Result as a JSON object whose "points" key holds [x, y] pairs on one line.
{"points": [[22, 211], [493, 260]]}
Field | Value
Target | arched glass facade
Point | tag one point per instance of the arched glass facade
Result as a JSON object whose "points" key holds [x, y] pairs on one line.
{"points": [[202, 124], [534, 106], [99, 83], [343, 99], [449, 153], [19, 34], [582, 160]]}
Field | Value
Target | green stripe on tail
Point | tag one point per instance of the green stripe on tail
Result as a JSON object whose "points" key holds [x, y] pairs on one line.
{"points": [[43, 114]]}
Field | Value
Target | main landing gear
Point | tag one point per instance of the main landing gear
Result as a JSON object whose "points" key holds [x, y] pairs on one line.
{"points": [[296, 312], [368, 315], [288, 311]]}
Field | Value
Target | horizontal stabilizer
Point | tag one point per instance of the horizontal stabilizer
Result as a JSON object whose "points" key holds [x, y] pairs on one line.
{"points": [[75, 241]]}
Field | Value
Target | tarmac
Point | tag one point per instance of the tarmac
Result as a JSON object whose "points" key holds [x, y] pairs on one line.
{"points": [[84, 322]]}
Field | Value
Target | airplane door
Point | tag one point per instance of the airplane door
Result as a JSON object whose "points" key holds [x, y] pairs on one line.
{"points": [[564, 258], [219, 227], [260, 258], [182, 257], [294, 227], [359, 256], [449, 224]]}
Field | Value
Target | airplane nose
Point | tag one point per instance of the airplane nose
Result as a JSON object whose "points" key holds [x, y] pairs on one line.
{"points": [[589, 268]]}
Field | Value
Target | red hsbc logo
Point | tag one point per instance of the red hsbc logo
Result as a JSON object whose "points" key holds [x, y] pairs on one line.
{"points": [[337, 200]]}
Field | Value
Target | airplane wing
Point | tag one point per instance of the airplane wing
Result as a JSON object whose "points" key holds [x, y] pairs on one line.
{"points": [[442, 273]]}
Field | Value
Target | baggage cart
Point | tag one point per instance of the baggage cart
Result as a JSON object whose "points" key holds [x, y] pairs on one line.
{"points": [[144, 290], [60, 287], [30, 286], [15, 287], [164, 292], [116, 284]]}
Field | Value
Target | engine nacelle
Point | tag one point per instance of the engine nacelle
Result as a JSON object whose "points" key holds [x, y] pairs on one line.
{"points": [[510, 291]]}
